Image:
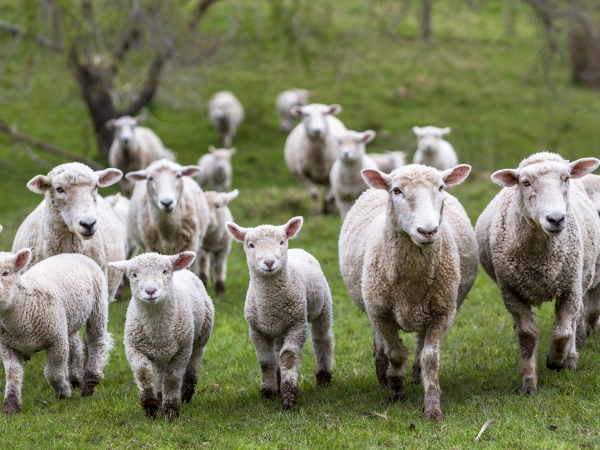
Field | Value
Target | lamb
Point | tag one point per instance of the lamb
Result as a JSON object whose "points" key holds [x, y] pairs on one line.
{"points": [[539, 239], [73, 218], [168, 324], [120, 206], [408, 256], [168, 213], [345, 177], [389, 160], [434, 151], [216, 168], [225, 113], [287, 291], [285, 101], [134, 147], [311, 149], [217, 241], [44, 309]]}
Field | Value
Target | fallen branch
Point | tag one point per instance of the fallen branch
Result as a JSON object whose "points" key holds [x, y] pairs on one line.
{"points": [[483, 428]]}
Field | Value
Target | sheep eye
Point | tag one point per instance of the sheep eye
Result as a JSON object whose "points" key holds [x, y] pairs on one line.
{"points": [[217, 206], [178, 175], [567, 179], [441, 188], [149, 178], [251, 245], [5, 273], [397, 191], [134, 275], [165, 272], [526, 183], [281, 243], [60, 190]]}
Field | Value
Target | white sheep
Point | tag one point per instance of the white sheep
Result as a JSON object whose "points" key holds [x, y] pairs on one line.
{"points": [[225, 113], [168, 213], [134, 147], [44, 309], [285, 101], [216, 168], [408, 256], [539, 240], [217, 241], [287, 291], [345, 177], [311, 149], [120, 206], [432, 150], [168, 324], [73, 218], [389, 160]]}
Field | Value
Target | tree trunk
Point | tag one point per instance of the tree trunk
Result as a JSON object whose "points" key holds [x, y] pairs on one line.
{"points": [[426, 20]]}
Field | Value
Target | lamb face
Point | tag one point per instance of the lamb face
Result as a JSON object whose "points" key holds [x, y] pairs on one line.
{"points": [[217, 204], [10, 268], [124, 129], [313, 118], [351, 145], [222, 157], [429, 138]]}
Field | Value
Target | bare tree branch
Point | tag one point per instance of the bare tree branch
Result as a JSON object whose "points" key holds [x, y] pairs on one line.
{"points": [[17, 31], [199, 13], [150, 87]]}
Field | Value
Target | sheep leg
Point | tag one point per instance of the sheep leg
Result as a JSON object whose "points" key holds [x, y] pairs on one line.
{"points": [[56, 371], [267, 361], [75, 361], [218, 265], [289, 360], [190, 377], [328, 200], [278, 343], [143, 373], [98, 344], [203, 263], [430, 366], [562, 339], [314, 195], [416, 374], [381, 360], [172, 382], [592, 309], [397, 354], [13, 368], [322, 339]]}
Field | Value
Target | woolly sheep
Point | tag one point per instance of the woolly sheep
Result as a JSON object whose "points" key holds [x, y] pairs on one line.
{"points": [[216, 169], [539, 239], [168, 324], [226, 114], [168, 213], [73, 218], [217, 241], [434, 151], [311, 149], [408, 256], [134, 147], [120, 205], [285, 101], [44, 309], [345, 177], [389, 160], [287, 291]]}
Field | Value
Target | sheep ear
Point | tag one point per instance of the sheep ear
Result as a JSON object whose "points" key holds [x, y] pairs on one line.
{"points": [[293, 226], [140, 119], [506, 177], [417, 130], [376, 179], [212, 148], [236, 231], [229, 196], [232, 151], [456, 175], [583, 166], [190, 171], [121, 266], [182, 260], [39, 184], [296, 111], [111, 124], [446, 131], [108, 177], [368, 136], [334, 109], [1, 228], [138, 175], [21, 259]]}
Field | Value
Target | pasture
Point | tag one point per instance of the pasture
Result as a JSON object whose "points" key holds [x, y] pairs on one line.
{"points": [[478, 76]]}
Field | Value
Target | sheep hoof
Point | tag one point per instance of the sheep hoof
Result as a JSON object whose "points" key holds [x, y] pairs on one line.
{"points": [[396, 389], [289, 393], [554, 365], [324, 378], [571, 362], [12, 404], [171, 411], [220, 287], [529, 386], [433, 412], [188, 387], [267, 393], [90, 381], [150, 405]]}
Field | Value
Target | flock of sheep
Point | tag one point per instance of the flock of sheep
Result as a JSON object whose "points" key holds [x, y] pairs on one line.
{"points": [[408, 255]]}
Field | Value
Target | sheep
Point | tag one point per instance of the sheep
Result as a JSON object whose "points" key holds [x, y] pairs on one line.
{"points": [[434, 151], [539, 239], [216, 168], [73, 218], [389, 160], [217, 241], [408, 256], [134, 147], [167, 326], [285, 101], [345, 177], [311, 149], [225, 113], [43, 309], [287, 291], [120, 206]]}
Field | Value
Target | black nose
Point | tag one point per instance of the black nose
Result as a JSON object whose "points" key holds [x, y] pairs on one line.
{"points": [[150, 292], [87, 225], [556, 219], [125, 140], [167, 203], [427, 233], [269, 263], [317, 133]]}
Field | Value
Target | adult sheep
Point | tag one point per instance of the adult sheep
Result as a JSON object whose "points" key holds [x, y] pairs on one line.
{"points": [[311, 149], [408, 256], [539, 240], [433, 150], [73, 218], [285, 101], [225, 113]]}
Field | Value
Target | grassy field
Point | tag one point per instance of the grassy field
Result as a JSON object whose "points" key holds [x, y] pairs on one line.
{"points": [[479, 76]]}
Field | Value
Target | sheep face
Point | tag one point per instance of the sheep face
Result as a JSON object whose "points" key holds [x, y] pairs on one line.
{"points": [[164, 182], [221, 156], [217, 203], [124, 129], [266, 246], [429, 138], [351, 145], [416, 199], [151, 274], [71, 192], [543, 187], [10, 268], [314, 118]]}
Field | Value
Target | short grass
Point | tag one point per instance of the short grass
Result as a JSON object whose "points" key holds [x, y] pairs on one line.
{"points": [[478, 76]]}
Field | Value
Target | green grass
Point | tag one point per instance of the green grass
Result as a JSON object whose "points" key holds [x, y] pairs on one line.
{"points": [[475, 77]]}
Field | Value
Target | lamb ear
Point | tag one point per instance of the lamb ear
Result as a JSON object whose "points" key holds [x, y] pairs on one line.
{"points": [[232, 151], [190, 171], [293, 226], [108, 177], [456, 175], [506, 177], [583, 166], [121, 266], [236, 231], [21, 259], [417, 130], [376, 179], [296, 111], [182, 260], [140, 119], [211, 148], [39, 184], [229, 196], [138, 175], [446, 131], [111, 124], [334, 109], [368, 136]]}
